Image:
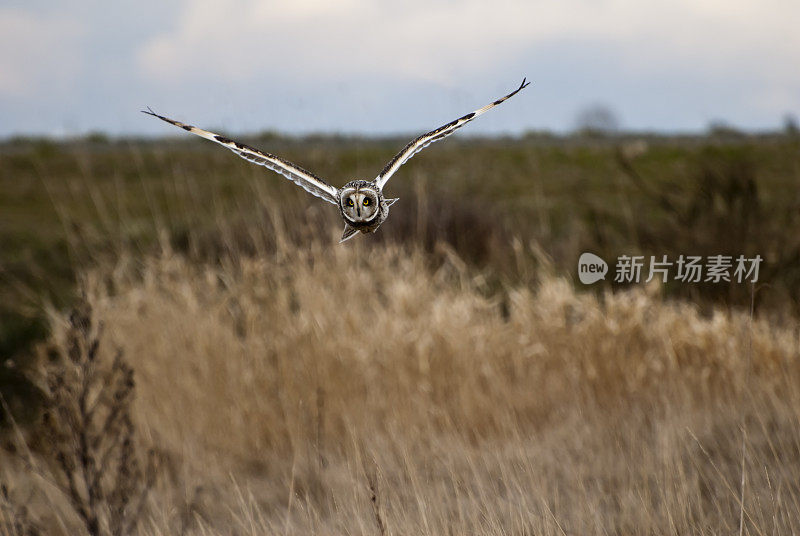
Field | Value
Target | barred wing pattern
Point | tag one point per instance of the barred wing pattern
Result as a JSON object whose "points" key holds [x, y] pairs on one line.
{"points": [[423, 141], [305, 179]]}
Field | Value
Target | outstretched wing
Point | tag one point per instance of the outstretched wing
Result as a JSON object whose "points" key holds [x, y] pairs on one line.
{"points": [[435, 135], [305, 179]]}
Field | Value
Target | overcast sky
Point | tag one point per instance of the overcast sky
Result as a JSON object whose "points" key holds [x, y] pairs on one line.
{"points": [[360, 66]]}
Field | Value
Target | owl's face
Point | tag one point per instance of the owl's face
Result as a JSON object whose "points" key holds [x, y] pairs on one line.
{"points": [[360, 203]]}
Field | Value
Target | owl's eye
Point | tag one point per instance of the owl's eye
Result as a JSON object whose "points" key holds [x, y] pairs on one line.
{"points": [[366, 201], [349, 202]]}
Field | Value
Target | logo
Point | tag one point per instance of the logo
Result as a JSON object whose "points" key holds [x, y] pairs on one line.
{"points": [[685, 269], [591, 268]]}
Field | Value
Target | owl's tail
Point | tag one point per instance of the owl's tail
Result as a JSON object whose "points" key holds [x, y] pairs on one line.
{"points": [[349, 232]]}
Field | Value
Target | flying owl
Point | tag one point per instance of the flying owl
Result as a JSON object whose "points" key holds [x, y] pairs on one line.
{"points": [[361, 203]]}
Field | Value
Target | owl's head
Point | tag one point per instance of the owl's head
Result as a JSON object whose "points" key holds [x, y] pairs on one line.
{"points": [[360, 202]]}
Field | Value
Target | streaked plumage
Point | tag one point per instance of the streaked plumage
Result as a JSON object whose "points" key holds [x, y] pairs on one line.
{"points": [[361, 203]]}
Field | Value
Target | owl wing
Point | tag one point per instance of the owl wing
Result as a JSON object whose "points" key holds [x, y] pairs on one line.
{"points": [[305, 179], [423, 141]]}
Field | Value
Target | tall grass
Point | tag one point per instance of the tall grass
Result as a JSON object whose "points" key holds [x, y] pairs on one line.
{"points": [[437, 378], [371, 389], [64, 203]]}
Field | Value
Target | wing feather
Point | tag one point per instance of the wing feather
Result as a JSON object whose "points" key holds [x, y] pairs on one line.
{"points": [[417, 144], [305, 179]]}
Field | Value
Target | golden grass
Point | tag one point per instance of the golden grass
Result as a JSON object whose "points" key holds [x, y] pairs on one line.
{"points": [[370, 390]]}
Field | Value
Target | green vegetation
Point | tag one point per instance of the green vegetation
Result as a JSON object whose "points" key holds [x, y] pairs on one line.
{"points": [[230, 368], [64, 205]]}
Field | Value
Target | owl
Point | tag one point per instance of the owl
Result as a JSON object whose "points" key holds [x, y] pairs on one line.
{"points": [[361, 203]]}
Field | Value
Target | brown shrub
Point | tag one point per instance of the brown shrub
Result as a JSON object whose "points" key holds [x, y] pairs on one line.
{"points": [[270, 382]]}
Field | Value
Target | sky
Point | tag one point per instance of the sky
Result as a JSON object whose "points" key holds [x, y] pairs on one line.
{"points": [[387, 67]]}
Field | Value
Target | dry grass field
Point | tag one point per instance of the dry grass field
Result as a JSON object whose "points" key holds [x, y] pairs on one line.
{"points": [[251, 376]]}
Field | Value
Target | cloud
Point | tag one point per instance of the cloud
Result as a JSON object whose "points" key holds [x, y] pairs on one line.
{"points": [[418, 41], [37, 54], [354, 64], [438, 41]]}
